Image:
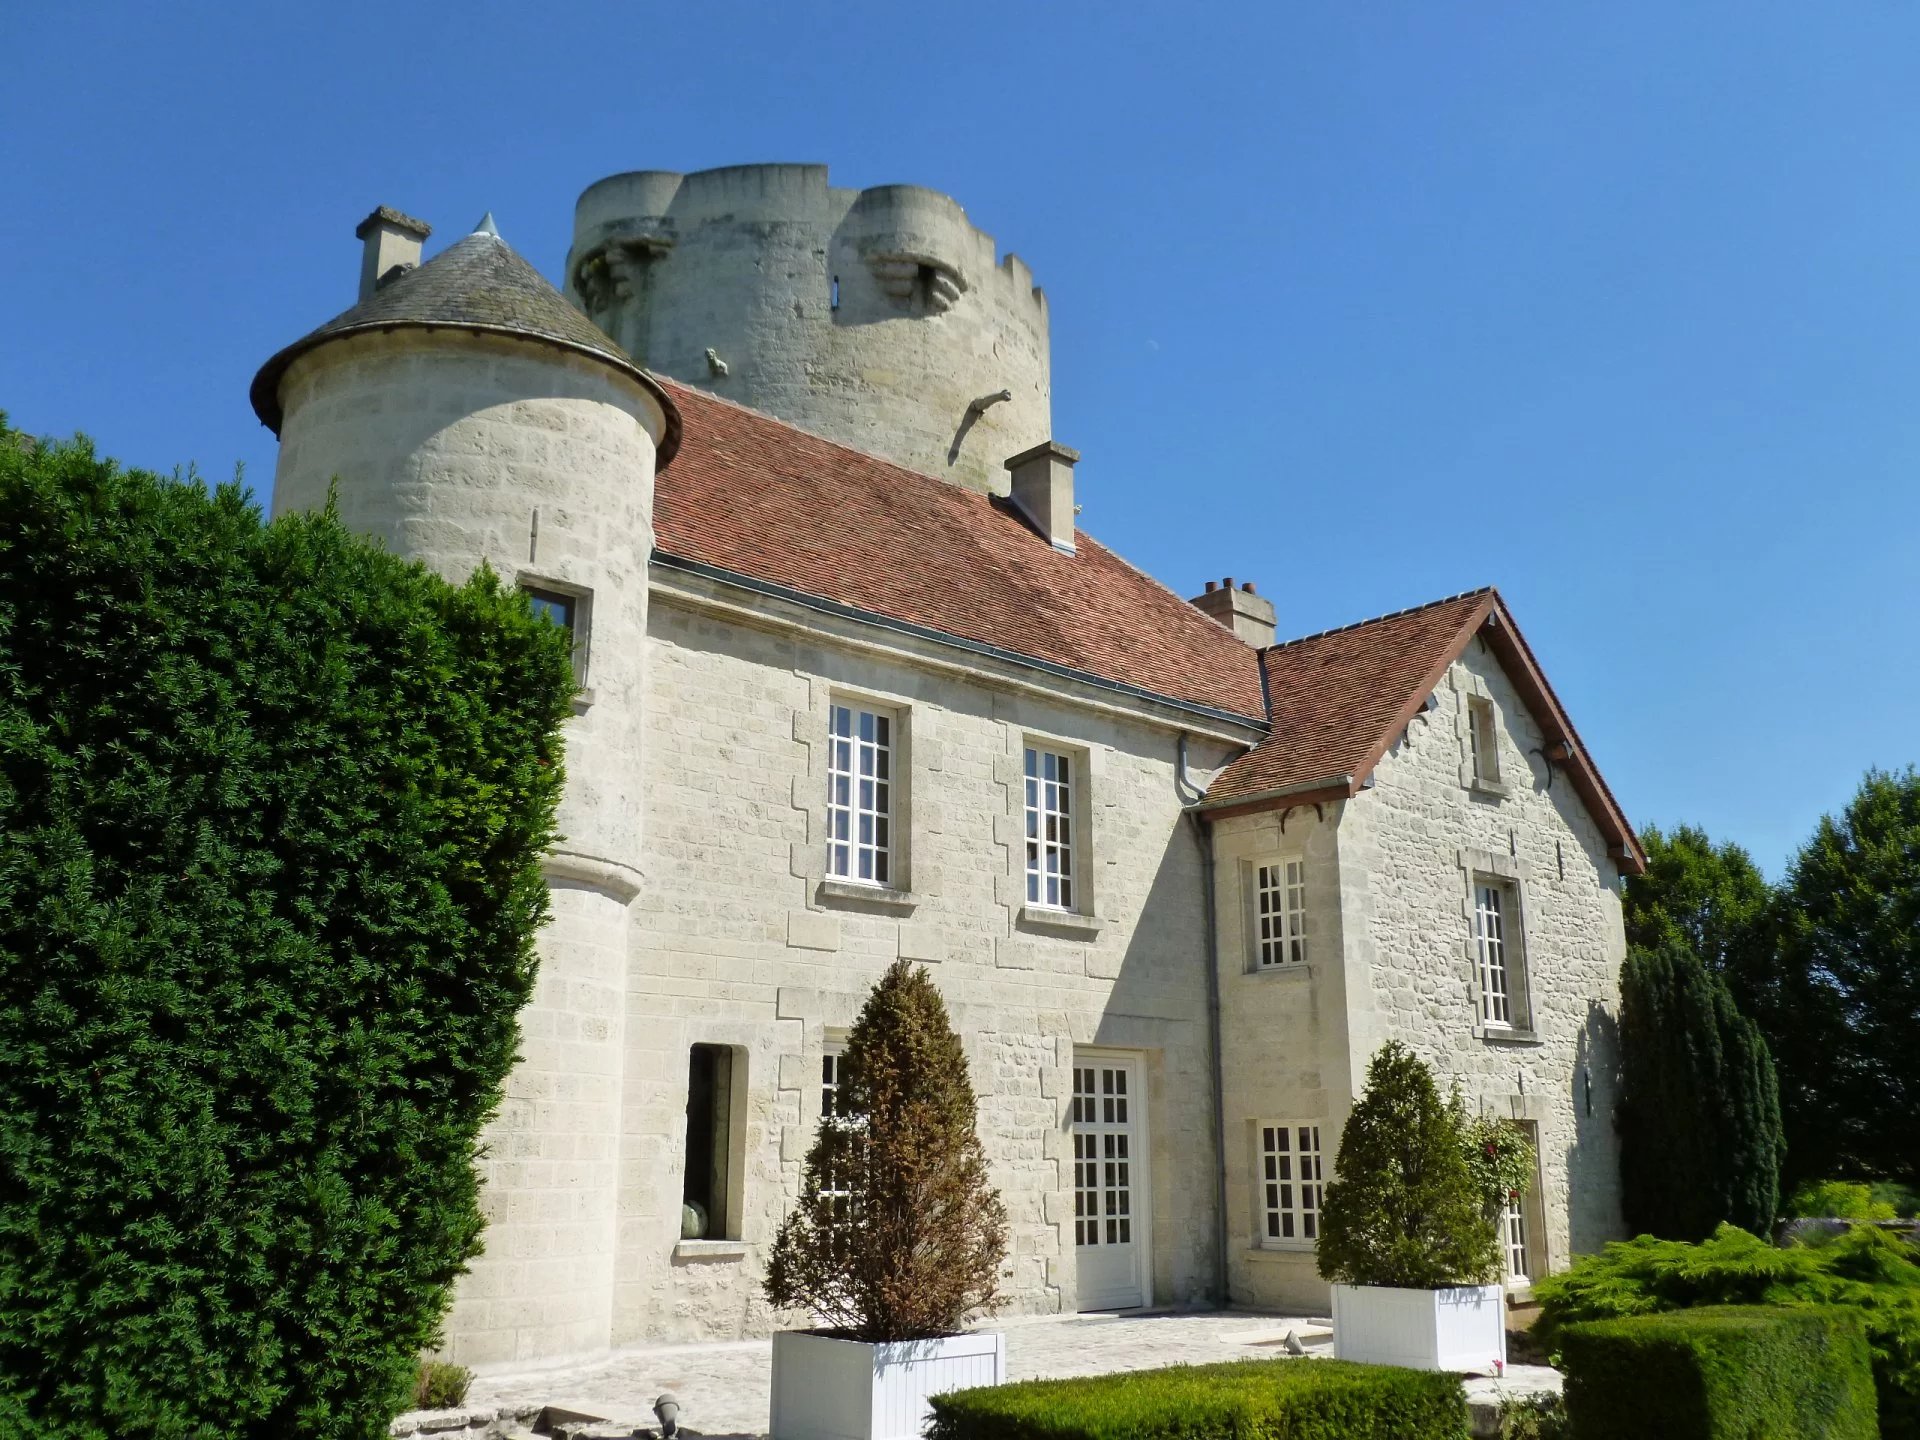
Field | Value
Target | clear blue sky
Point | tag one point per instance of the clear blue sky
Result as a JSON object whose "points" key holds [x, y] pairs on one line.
{"points": [[1616, 306]]}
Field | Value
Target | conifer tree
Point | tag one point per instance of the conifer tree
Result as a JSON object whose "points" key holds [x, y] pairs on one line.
{"points": [[1699, 1118], [897, 1236], [1403, 1208]]}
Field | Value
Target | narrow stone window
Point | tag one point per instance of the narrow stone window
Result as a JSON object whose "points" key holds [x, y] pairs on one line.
{"points": [[836, 292], [1483, 740], [568, 609], [1290, 1167], [1281, 905], [1495, 943], [706, 1190], [860, 796], [1050, 810], [834, 1189], [1519, 1224]]}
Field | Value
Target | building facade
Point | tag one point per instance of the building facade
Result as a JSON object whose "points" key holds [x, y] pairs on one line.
{"points": [[855, 687]]}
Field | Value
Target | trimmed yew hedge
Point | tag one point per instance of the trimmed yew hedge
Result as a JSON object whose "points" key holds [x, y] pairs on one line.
{"points": [[1722, 1373], [272, 804], [1270, 1399]]}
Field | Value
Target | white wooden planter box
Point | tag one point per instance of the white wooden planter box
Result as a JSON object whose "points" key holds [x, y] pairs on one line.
{"points": [[829, 1389], [1464, 1328]]}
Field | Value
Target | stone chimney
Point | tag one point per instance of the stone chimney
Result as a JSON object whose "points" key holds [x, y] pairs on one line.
{"points": [[390, 240], [1043, 491], [1248, 615]]}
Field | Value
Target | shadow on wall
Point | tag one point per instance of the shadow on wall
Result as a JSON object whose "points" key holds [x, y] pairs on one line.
{"points": [[1593, 1160]]}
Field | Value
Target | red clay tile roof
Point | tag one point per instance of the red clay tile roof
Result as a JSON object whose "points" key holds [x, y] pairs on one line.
{"points": [[1339, 699], [756, 497], [1333, 696]]}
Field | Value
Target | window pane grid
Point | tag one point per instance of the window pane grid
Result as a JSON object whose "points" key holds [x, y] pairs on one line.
{"points": [[860, 795], [1049, 807], [1282, 904], [1102, 1157], [834, 1189], [1290, 1181], [1489, 928], [1514, 1234]]}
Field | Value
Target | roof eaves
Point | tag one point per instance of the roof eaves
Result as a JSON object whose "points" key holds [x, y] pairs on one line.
{"points": [[774, 590]]}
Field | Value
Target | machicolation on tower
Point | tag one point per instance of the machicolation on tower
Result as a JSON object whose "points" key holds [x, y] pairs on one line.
{"points": [[880, 318]]}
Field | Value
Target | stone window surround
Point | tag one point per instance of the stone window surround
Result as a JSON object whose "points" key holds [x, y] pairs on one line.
{"points": [[1083, 921], [1298, 1244], [870, 765], [582, 596], [1535, 1113], [811, 728], [1470, 687], [1481, 865]]}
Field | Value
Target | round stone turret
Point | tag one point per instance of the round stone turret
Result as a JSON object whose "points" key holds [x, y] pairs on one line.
{"points": [[880, 318], [464, 412]]}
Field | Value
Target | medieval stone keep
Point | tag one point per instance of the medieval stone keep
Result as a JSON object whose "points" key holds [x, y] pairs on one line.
{"points": [[854, 686]]}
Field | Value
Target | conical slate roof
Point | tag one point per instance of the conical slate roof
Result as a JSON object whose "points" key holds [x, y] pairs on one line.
{"points": [[478, 283]]}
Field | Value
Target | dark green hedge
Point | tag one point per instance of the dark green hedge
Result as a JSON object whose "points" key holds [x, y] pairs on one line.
{"points": [[1721, 1373], [1269, 1399], [271, 807]]}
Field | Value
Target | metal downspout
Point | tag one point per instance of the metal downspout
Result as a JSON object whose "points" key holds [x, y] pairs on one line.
{"points": [[1191, 795]]}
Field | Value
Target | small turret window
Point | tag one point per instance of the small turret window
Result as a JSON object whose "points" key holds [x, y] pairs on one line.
{"points": [[568, 608]]}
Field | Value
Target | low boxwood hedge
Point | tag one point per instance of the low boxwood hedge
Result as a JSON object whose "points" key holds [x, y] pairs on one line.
{"points": [[1267, 1399], [1722, 1373]]}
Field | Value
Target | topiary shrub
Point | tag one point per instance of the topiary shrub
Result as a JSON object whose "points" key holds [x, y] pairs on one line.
{"points": [[1403, 1209], [272, 804], [1278, 1399], [1726, 1373], [906, 1241], [1875, 1273]]}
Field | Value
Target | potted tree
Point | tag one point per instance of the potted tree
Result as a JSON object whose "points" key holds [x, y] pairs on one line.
{"points": [[1405, 1237], [897, 1241]]}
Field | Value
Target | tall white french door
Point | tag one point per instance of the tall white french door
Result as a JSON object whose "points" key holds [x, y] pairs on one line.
{"points": [[1111, 1223]]}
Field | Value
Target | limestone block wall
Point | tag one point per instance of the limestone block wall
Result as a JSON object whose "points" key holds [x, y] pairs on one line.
{"points": [[1285, 1036], [874, 317], [454, 449], [738, 940], [1409, 848]]}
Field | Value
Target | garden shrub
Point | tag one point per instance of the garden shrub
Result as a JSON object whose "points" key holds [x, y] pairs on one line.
{"points": [[898, 1236], [1874, 1272], [1404, 1208], [1721, 1373], [1270, 1399], [441, 1386], [1838, 1200], [1701, 1142], [272, 803]]}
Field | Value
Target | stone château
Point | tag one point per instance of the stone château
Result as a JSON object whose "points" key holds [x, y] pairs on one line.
{"points": [[855, 686]]}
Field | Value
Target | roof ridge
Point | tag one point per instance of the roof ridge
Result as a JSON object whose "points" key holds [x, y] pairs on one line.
{"points": [[1474, 593]]}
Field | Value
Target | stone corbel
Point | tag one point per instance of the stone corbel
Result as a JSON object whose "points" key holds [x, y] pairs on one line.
{"points": [[898, 272]]}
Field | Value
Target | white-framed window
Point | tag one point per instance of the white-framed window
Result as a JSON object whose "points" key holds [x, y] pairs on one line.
{"points": [[1280, 906], [1513, 1238], [834, 1189], [860, 795], [1492, 918], [1050, 804], [1290, 1167], [1483, 740]]}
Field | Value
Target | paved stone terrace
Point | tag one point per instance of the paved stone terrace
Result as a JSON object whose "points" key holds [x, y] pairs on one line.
{"points": [[724, 1387]]}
